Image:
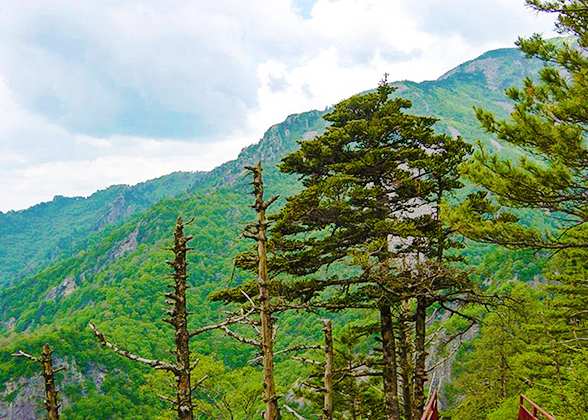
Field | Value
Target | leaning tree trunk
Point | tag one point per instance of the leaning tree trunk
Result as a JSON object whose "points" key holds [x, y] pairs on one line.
{"points": [[389, 371], [271, 399]]}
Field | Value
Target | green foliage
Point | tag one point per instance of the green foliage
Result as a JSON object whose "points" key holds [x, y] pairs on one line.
{"points": [[353, 397], [524, 348], [536, 347], [32, 238], [73, 261], [548, 125], [376, 172]]}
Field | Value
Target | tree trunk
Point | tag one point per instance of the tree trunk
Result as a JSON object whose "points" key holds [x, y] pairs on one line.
{"points": [[179, 321], [420, 374], [51, 404], [46, 361], [271, 399], [328, 408], [389, 371], [405, 364]]}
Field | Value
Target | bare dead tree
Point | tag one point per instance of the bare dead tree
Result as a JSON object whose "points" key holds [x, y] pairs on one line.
{"points": [[46, 360], [178, 319], [258, 231], [332, 376]]}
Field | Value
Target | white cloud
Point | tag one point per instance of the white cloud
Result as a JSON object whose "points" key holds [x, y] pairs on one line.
{"points": [[138, 160], [183, 85], [354, 42]]}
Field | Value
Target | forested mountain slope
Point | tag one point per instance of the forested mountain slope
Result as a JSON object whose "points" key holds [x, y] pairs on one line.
{"points": [[29, 239], [70, 262]]}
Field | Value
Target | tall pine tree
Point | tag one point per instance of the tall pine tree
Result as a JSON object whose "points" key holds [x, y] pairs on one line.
{"points": [[373, 187]]}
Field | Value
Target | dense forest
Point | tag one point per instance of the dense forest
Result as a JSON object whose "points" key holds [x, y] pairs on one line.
{"points": [[417, 237]]}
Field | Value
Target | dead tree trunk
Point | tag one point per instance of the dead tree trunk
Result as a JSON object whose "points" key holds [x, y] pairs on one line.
{"points": [[271, 399], [179, 320], [328, 379], [46, 361], [389, 371]]}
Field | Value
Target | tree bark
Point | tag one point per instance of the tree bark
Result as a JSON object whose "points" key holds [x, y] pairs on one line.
{"points": [[328, 380], [179, 320], [51, 403], [389, 371], [271, 399], [46, 361], [405, 365], [420, 374]]}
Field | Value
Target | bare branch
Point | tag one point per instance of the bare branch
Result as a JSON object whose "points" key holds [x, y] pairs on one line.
{"points": [[270, 201], [240, 338], [167, 399], [309, 361], [194, 364], [21, 353], [248, 298], [222, 324], [294, 413], [197, 384], [155, 364], [361, 374], [288, 350]]}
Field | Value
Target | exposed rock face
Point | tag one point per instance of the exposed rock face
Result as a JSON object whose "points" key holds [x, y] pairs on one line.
{"points": [[65, 288], [119, 209], [9, 325], [440, 366], [16, 402], [23, 398], [453, 131], [128, 244]]}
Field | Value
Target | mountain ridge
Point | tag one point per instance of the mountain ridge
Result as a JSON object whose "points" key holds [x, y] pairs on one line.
{"points": [[112, 273]]}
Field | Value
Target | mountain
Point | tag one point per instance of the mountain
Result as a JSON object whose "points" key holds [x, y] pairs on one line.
{"points": [[30, 239], [101, 259]]}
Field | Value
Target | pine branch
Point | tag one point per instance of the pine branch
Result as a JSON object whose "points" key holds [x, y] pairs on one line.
{"points": [[472, 319]]}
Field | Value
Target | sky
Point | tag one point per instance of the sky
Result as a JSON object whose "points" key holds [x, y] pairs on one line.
{"points": [[101, 92]]}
